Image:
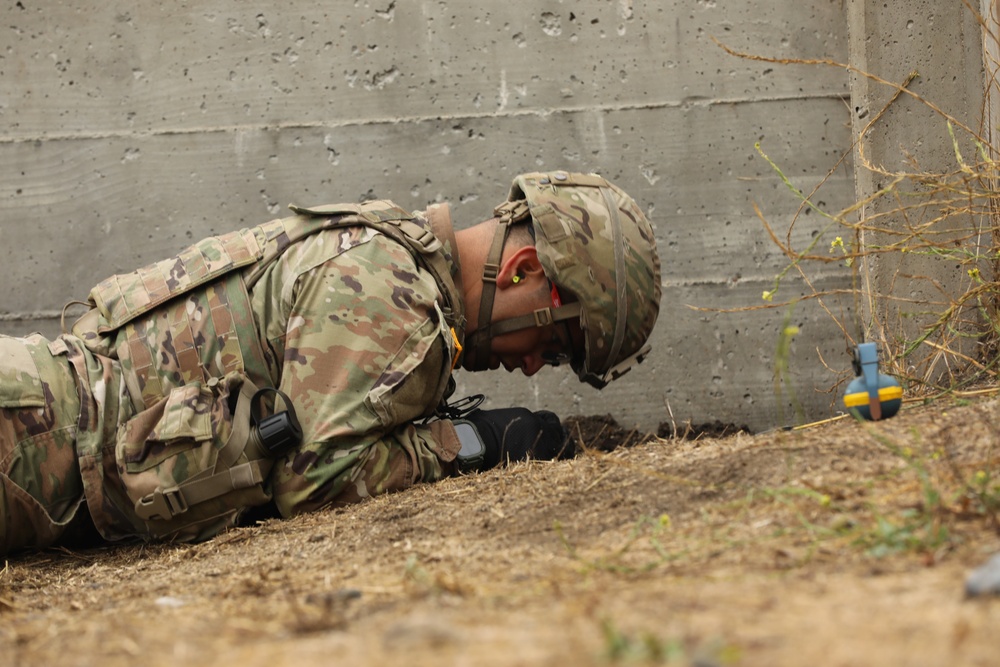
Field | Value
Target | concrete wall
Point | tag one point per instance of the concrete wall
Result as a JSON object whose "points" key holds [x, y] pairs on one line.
{"points": [[130, 129]]}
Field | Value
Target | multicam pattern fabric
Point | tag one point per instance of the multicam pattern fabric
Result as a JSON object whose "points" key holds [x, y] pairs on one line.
{"points": [[351, 323], [40, 485], [188, 464], [579, 221], [363, 349]]}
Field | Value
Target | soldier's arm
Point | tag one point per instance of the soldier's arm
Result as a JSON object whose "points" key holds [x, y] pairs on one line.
{"points": [[364, 353]]}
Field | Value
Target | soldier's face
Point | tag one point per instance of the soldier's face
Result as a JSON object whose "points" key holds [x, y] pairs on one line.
{"points": [[530, 349], [535, 347]]}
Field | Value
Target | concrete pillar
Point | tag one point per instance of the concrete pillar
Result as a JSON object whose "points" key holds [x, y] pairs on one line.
{"points": [[941, 41]]}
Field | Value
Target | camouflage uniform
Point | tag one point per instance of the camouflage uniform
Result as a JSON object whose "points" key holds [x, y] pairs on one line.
{"points": [[149, 411], [40, 484], [351, 311]]}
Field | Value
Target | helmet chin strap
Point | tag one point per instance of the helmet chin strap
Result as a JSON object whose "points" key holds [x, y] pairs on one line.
{"points": [[479, 341]]}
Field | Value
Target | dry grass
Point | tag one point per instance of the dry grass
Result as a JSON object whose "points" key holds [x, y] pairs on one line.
{"points": [[840, 544], [774, 549], [922, 251]]}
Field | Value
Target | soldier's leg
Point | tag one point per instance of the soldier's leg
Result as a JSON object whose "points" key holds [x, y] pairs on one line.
{"points": [[40, 485]]}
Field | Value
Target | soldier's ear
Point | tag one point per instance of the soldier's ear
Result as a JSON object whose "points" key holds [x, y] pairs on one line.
{"points": [[524, 264]]}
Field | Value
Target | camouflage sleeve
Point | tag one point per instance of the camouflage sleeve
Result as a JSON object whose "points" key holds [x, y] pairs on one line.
{"points": [[365, 351]]}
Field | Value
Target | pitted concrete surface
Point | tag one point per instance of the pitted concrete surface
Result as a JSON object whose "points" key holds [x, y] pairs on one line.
{"points": [[130, 129]]}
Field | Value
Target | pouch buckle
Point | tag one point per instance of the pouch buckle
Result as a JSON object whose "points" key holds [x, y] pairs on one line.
{"points": [[161, 504]]}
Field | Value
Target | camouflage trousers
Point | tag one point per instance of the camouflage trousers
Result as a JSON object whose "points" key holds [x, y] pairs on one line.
{"points": [[41, 489]]}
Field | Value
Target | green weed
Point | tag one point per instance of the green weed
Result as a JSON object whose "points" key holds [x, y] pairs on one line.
{"points": [[782, 366], [648, 648], [921, 251], [787, 495], [914, 531], [986, 490], [927, 526]]}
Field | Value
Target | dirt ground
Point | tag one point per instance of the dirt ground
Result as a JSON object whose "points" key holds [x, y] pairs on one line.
{"points": [[838, 544]]}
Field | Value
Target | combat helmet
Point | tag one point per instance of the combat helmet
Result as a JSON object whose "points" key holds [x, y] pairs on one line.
{"points": [[597, 247]]}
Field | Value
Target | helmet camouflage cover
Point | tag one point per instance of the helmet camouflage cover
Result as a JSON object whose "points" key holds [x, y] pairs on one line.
{"points": [[594, 242]]}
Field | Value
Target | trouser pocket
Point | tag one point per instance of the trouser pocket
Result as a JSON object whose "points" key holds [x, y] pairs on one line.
{"points": [[40, 485], [24, 522]]}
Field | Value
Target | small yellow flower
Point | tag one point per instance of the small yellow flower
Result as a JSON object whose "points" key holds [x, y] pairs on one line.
{"points": [[767, 295], [824, 500], [974, 274], [837, 243], [665, 520], [791, 330], [980, 476]]}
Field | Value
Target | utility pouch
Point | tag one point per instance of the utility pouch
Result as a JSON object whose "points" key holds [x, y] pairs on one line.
{"points": [[191, 462]]}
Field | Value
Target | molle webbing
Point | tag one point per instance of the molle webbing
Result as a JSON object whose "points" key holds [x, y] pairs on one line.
{"points": [[164, 341], [212, 331], [209, 333], [386, 218], [124, 297]]}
